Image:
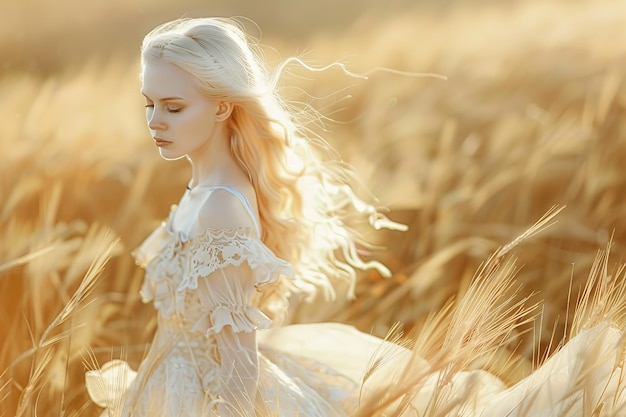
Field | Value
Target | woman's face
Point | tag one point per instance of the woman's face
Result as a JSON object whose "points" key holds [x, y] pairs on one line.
{"points": [[181, 119]]}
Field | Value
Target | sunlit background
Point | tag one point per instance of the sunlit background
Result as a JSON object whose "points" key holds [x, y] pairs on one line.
{"points": [[531, 115]]}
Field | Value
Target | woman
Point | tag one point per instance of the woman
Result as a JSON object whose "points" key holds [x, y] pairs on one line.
{"points": [[261, 220]]}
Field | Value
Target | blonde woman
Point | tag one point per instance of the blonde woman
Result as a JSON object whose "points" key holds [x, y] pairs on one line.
{"points": [[261, 220]]}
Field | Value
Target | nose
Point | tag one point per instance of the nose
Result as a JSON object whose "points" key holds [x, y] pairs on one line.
{"points": [[155, 122]]}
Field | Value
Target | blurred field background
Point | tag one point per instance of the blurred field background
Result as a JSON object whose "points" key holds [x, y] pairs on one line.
{"points": [[532, 115]]}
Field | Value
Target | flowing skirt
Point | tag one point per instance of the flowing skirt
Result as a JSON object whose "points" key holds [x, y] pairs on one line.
{"points": [[330, 369]]}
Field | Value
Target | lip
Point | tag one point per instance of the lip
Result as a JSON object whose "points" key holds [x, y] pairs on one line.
{"points": [[161, 142]]}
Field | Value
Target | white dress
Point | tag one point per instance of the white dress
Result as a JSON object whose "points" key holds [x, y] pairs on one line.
{"points": [[208, 290], [221, 285]]}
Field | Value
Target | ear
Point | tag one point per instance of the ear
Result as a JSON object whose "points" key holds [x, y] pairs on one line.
{"points": [[224, 110]]}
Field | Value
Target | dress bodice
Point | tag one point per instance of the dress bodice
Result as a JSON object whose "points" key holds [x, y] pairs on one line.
{"points": [[175, 266]]}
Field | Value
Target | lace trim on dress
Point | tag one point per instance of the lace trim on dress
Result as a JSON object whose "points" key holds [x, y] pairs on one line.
{"points": [[177, 265], [217, 249]]}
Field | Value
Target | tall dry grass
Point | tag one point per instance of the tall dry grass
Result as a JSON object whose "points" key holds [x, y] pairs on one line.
{"points": [[532, 115]]}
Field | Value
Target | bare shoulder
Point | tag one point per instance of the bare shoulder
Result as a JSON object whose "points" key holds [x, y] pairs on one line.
{"points": [[224, 210]]}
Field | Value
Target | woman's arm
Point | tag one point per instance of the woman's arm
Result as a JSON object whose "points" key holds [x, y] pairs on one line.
{"points": [[239, 372]]}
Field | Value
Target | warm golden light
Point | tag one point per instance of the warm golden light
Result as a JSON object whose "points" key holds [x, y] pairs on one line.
{"points": [[531, 115]]}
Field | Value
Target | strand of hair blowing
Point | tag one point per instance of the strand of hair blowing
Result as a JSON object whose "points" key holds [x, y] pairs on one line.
{"points": [[303, 189]]}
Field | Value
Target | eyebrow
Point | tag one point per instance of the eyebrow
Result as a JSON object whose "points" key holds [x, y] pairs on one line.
{"points": [[163, 99]]}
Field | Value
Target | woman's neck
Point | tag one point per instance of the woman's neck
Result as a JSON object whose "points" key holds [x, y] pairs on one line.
{"points": [[214, 164]]}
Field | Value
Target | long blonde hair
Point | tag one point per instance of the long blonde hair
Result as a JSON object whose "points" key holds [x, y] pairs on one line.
{"points": [[303, 189]]}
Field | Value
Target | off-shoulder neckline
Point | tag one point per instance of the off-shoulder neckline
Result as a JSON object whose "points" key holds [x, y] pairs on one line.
{"points": [[183, 237], [233, 191]]}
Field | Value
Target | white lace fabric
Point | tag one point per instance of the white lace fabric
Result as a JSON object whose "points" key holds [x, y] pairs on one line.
{"points": [[204, 359], [210, 281]]}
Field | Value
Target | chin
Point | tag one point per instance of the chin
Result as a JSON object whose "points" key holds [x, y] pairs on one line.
{"points": [[170, 156]]}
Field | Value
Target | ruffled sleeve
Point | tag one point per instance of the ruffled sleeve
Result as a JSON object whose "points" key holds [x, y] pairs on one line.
{"points": [[240, 319], [226, 301], [227, 268]]}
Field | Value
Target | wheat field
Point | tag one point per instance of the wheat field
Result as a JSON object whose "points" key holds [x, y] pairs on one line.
{"points": [[530, 119]]}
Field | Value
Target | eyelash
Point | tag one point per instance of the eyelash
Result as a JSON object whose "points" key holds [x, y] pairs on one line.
{"points": [[177, 110]]}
